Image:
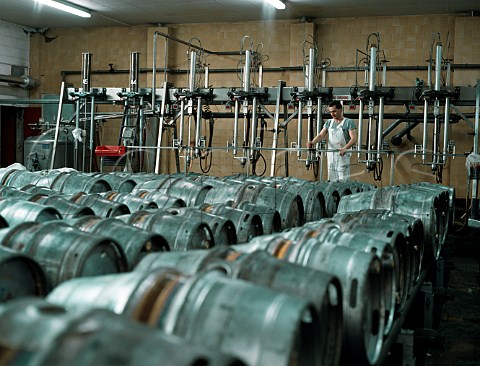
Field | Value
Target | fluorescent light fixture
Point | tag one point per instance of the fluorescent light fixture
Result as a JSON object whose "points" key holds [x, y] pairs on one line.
{"points": [[280, 5], [66, 6]]}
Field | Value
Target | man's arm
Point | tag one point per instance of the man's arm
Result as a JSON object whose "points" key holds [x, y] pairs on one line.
{"points": [[317, 138], [353, 139]]}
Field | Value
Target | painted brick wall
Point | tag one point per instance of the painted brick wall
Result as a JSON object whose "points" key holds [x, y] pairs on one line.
{"points": [[14, 50]]}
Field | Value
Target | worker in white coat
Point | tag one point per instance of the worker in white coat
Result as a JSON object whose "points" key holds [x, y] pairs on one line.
{"points": [[342, 135]]}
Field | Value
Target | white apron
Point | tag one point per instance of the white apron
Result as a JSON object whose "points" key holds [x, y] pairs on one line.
{"points": [[338, 166]]}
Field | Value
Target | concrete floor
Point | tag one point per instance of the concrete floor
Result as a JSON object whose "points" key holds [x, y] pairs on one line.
{"points": [[459, 327]]}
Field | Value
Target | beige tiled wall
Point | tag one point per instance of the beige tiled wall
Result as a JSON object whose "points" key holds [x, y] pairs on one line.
{"points": [[404, 41]]}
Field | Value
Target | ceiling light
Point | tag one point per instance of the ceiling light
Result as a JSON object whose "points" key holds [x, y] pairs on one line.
{"points": [[66, 6], [280, 5]]}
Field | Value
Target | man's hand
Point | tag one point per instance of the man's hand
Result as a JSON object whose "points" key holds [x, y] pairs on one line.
{"points": [[310, 144], [342, 151]]}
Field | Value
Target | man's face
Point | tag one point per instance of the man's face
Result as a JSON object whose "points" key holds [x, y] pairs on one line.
{"points": [[335, 113]]}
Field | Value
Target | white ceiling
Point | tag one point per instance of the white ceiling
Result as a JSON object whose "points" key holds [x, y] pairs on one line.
{"points": [[135, 12]]}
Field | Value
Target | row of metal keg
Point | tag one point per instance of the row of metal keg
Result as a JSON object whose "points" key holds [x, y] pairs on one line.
{"points": [[332, 297]]}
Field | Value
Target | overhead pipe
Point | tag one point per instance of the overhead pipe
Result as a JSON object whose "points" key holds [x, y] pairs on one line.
{"points": [[65, 73], [21, 81]]}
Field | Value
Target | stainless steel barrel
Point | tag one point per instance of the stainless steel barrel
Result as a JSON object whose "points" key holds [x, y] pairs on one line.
{"points": [[64, 252], [263, 326], [180, 234], [322, 289], [136, 242], [16, 211], [36, 332], [20, 276]]}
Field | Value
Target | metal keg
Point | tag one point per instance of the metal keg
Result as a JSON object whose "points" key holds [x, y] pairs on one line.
{"points": [[360, 275], [413, 202], [37, 332], [180, 234], [322, 289], [123, 184], [101, 206], [258, 324], [191, 192], [133, 203], [64, 252], [247, 224], [161, 199], [16, 211], [136, 243], [271, 220], [333, 192], [73, 182], [385, 220], [395, 280], [223, 229], [20, 276], [66, 208]]}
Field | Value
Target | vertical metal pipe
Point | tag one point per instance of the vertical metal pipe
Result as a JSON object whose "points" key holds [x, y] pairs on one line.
{"points": [[77, 126], [281, 84], [299, 130], [324, 77], [57, 126], [319, 114], [438, 66], [182, 121], [381, 107], [373, 68], [436, 122], [198, 126], [311, 69], [475, 144], [477, 119], [134, 71], [254, 125], [371, 117], [246, 72], [92, 131], [449, 74], [86, 71], [260, 76], [160, 129], [360, 127], [191, 75], [154, 70], [207, 77], [429, 73], [384, 74], [141, 123], [425, 130], [235, 127], [446, 124]]}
